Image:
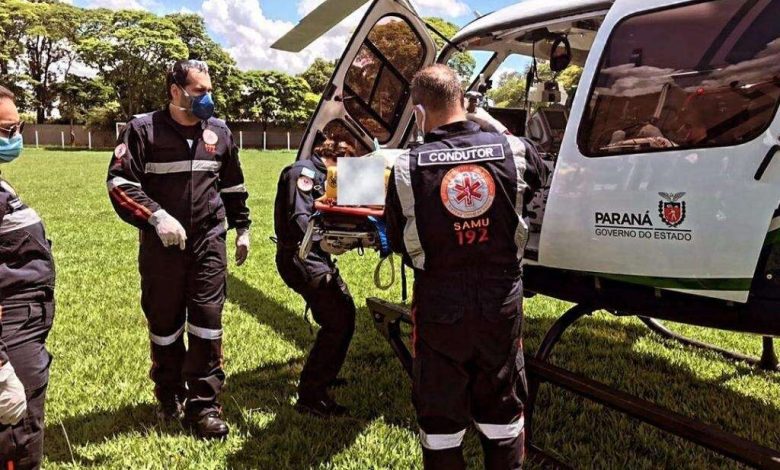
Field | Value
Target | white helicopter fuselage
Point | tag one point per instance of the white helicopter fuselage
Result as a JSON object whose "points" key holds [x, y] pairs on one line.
{"points": [[649, 210]]}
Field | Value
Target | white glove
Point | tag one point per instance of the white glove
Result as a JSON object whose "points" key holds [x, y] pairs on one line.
{"points": [[169, 229], [242, 245], [13, 403], [487, 122]]}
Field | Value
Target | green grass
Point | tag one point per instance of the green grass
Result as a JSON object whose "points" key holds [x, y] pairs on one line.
{"points": [[101, 396]]}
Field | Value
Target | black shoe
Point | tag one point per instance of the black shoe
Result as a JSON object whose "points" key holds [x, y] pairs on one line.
{"points": [[170, 410], [338, 382], [209, 426], [322, 407]]}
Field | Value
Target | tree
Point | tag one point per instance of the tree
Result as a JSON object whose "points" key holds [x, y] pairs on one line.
{"points": [[570, 78], [509, 91], [49, 39], [225, 75], [275, 98], [462, 62], [318, 74], [78, 95], [132, 51]]}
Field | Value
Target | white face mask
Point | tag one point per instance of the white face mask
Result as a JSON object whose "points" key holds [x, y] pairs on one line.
{"points": [[419, 116]]}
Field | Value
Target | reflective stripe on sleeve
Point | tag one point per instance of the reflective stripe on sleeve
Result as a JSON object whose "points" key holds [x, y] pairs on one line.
{"points": [[19, 219], [183, 166], [501, 431], [119, 181], [166, 340], [518, 153], [239, 188], [441, 441], [403, 183], [205, 333]]}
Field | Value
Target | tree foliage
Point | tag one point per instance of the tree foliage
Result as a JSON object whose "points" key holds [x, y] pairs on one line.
{"points": [[462, 62], [275, 98], [318, 74]]}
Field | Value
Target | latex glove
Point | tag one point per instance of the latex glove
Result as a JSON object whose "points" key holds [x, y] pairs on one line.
{"points": [[487, 122], [242, 245], [168, 229], [13, 403]]}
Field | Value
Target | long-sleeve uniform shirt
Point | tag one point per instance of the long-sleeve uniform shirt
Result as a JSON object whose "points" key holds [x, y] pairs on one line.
{"points": [[194, 174], [26, 263], [458, 201]]}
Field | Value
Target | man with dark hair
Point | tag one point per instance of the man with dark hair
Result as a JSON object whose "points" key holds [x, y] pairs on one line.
{"points": [[455, 210], [315, 278], [175, 174], [26, 310]]}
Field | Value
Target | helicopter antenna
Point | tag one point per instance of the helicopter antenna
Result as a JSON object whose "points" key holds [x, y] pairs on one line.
{"points": [[476, 13]]}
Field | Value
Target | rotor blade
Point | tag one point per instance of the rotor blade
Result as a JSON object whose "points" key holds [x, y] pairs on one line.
{"points": [[316, 23]]}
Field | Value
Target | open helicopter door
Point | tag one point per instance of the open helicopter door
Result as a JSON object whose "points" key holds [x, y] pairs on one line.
{"points": [[368, 96], [666, 174]]}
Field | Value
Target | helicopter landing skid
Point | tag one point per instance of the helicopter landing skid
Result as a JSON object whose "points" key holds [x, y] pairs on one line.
{"points": [[388, 318], [768, 360]]}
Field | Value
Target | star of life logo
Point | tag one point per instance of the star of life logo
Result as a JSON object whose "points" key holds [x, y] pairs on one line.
{"points": [[468, 191]]}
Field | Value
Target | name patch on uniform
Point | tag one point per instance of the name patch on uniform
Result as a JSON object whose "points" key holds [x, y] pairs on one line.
{"points": [[308, 172], [467, 191], [479, 153]]}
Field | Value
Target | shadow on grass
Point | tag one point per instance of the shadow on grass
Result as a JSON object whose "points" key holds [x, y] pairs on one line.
{"points": [[281, 438]]}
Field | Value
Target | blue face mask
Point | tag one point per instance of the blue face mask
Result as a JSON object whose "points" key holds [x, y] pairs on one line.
{"points": [[10, 148], [201, 106]]}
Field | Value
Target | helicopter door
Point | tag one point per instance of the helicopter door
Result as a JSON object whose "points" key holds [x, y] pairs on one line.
{"points": [[668, 174], [368, 95]]}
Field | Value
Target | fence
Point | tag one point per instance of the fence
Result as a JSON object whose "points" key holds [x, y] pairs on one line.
{"points": [[246, 135]]}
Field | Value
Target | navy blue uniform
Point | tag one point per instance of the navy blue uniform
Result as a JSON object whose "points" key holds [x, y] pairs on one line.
{"points": [[316, 278], [26, 316], [455, 210], [194, 174]]}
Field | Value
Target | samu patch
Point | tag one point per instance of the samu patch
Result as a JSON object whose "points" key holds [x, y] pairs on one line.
{"points": [[305, 183], [451, 156], [120, 151], [467, 191]]}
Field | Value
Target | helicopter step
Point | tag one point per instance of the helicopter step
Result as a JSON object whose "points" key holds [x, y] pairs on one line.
{"points": [[388, 318]]}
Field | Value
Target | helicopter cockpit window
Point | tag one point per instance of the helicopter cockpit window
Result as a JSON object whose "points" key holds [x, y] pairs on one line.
{"points": [[692, 76], [377, 83]]}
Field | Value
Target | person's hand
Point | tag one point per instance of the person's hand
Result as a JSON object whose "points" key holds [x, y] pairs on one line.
{"points": [[168, 229], [487, 122], [242, 245], [13, 403]]}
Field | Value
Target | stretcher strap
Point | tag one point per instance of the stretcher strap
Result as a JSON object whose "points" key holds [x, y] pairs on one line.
{"points": [[377, 276]]}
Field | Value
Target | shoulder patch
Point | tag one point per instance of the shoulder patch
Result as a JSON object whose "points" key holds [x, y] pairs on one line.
{"points": [[120, 151], [308, 172], [210, 137], [467, 191], [452, 156], [305, 183]]}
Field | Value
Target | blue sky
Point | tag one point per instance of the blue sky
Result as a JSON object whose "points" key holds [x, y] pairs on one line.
{"points": [[247, 28]]}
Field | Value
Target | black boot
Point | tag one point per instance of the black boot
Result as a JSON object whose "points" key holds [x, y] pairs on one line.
{"points": [[320, 405], [170, 410], [209, 426]]}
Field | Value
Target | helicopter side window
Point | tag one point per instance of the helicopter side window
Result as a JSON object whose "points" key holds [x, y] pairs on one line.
{"points": [[377, 82], [691, 76]]}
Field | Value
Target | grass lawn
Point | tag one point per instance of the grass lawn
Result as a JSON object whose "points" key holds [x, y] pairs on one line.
{"points": [[100, 410]]}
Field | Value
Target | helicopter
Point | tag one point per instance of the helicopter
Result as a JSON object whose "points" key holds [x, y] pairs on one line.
{"points": [[663, 200]]}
